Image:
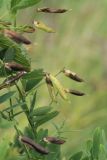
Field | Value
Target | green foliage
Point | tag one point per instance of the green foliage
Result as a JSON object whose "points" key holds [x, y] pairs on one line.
{"points": [[21, 4], [95, 148], [6, 96]]}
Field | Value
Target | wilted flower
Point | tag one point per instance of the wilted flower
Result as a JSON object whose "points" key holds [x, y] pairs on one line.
{"points": [[54, 140], [31, 143], [51, 10], [16, 37], [72, 75], [75, 92]]}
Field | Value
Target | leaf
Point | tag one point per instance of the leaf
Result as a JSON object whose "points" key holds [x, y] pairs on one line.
{"points": [[33, 102], [96, 143], [76, 156], [24, 4], [6, 96], [43, 119], [17, 52], [86, 158], [44, 27], [41, 111], [89, 144], [59, 87], [12, 107], [14, 3], [33, 78]]}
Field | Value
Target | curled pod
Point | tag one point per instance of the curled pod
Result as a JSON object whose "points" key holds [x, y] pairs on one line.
{"points": [[51, 10], [72, 75], [54, 140], [34, 145], [16, 37]]}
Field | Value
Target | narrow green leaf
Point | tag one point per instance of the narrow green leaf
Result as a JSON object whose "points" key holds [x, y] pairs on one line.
{"points": [[96, 143], [24, 4], [6, 96], [76, 156], [86, 158], [33, 102], [43, 119], [12, 107], [41, 111]]}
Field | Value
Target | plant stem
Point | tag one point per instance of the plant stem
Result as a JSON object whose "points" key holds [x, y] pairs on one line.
{"points": [[25, 109]]}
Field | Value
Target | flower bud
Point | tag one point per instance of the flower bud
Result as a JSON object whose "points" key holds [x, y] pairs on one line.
{"points": [[34, 145], [72, 75], [54, 140]]}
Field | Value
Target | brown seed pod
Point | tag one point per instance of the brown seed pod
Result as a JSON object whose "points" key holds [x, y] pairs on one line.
{"points": [[74, 92], [54, 140], [12, 79], [15, 66], [16, 37], [72, 75], [51, 10], [34, 145]]}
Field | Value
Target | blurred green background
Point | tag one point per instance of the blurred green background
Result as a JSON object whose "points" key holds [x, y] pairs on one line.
{"points": [[79, 44]]}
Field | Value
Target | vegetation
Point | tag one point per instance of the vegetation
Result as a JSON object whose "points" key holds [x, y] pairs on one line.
{"points": [[28, 111]]}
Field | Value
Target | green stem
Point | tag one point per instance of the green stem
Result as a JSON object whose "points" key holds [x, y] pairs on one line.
{"points": [[25, 109]]}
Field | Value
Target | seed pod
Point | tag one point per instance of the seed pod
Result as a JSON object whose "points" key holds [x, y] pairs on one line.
{"points": [[15, 66], [44, 27], [58, 86], [16, 37], [54, 140], [34, 145], [77, 93], [51, 10], [50, 87], [10, 81], [72, 75]]}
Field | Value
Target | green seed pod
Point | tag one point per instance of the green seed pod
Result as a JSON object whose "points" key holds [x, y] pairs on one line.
{"points": [[50, 87], [58, 86], [44, 27]]}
